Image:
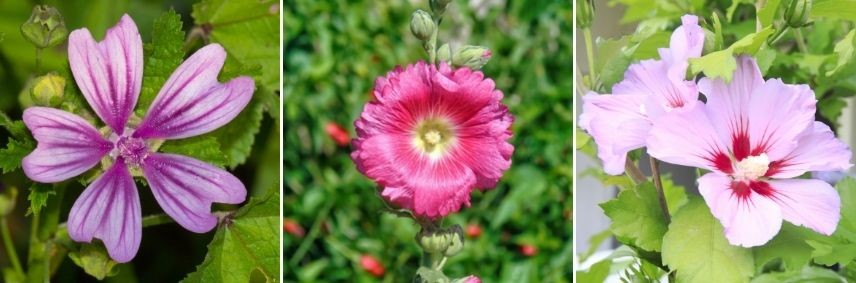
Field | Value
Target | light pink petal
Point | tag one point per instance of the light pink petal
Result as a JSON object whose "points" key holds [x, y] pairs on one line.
{"points": [[685, 136], [67, 145], [807, 202], [185, 188], [817, 150], [603, 115], [652, 78], [109, 209], [192, 102], [687, 41], [109, 73], [750, 220]]}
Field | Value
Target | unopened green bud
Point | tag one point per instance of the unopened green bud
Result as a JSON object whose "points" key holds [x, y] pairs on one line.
{"points": [[444, 53], [585, 13], [45, 28], [797, 12], [433, 242], [422, 25], [48, 90], [439, 6], [456, 241], [471, 56]]}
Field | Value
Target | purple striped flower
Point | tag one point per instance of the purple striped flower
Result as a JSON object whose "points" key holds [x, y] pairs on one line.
{"points": [[192, 102]]}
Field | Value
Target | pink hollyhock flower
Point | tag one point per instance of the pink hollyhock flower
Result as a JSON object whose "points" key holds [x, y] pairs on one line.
{"points": [[470, 279], [754, 136], [431, 136], [620, 122], [190, 103]]}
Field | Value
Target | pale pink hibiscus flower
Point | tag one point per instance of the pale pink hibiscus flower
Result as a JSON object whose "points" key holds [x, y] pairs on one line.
{"points": [[191, 102], [432, 135], [754, 136], [620, 122]]}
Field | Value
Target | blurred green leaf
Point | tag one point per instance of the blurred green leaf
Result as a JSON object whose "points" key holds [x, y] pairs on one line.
{"points": [[597, 273], [806, 274]]}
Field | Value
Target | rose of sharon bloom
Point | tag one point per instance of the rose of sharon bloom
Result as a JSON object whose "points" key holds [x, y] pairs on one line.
{"points": [[620, 122], [754, 136], [431, 136], [190, 103]]}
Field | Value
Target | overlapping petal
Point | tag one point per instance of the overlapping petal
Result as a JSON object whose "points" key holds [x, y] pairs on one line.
{"points": [[109, 73], [185, 188], [749, 220], [808, 202], [687, 137], [604, 115], [817, 150], [67, 145], [192, 102], [109, 209]]}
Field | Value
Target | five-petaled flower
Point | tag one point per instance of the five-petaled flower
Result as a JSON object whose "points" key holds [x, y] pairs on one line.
{"points": [[431, 135], [191, 102], [755, 136], [620, 122]]}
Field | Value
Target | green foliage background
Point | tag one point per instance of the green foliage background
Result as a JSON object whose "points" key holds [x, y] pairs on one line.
{"points": [[334, 50], [248, 146]]}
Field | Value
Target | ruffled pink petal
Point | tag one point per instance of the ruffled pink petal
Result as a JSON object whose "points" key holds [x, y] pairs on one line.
{"points": [[109, 209], [817, 150], [749, 220], [603, 115], [67, 145], [686, 136], [808, 202], [109, 73], [192, 102], [185, 188]]}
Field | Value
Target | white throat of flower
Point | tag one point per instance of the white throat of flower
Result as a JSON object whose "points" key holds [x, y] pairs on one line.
{"points": [[432, 137], [752, 167]]}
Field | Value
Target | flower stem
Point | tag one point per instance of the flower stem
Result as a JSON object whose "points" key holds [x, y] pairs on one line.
{"points": [[10, 246], [658, 185], [800, 40], [633, 172], [590, 55], [38, 61]]}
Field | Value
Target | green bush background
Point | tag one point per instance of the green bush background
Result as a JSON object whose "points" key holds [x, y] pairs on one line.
{"points": [[334, 50]]}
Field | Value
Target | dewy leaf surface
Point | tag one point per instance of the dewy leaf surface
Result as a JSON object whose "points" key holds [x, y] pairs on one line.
{"points": [[245, 244], [695, 246]]}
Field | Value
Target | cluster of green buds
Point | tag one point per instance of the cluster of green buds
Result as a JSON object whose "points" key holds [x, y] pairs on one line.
{"points": [[48, 90], [447, 242], [585, 13], [45, 28], [424, 26], [797, 13]]}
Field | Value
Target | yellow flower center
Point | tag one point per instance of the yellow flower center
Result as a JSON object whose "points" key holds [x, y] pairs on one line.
{"points": [[433, 136]]}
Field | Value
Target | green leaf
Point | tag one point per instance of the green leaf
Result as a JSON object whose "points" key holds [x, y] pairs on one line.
{"points": [[806, 274], [840, 247], [789, 245], [248, 30], [721, 64], [834, 9], [637, 217], [245, 243], [431, 275], [768, 12], [596, 273], [94, 260], [16, 128], [204, 148], [162, 56], [237, 138], [845, 51], [38, 197], [11, 156], [696, 248]]}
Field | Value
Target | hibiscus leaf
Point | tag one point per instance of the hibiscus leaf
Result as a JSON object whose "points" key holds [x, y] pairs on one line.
{"points": [[637, 218], [840, 247], [204, 148], [789, 245], [246, 243], [695, 246], [11, 156], [162, 56], [721, 64]]}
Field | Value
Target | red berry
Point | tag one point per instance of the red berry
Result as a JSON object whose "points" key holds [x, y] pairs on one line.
{"points": [[337, 133], [528, 250], [474, 231], [291, 227], [371, 265]]}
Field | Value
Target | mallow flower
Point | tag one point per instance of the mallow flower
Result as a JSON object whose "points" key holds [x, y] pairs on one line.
{"points": [[755, 137], [619, 123], [431, 135], [191, 102]]}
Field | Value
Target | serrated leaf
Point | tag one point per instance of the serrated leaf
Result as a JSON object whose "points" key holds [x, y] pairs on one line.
{"points": [[38, 197], [204, 148], [246, 242], [163, 55], [94, 260], [11, 156], [16, 129], [637, 217], [696, 248], [721, 64], [789, 245]]}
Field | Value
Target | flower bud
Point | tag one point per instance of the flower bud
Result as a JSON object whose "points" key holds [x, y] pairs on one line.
{"points": [[444, 53], [471, 56], [439, 6], [292, 227], [468, 279], [474, 230], [371, 265], [422, 25], [585, 13], [528, 250], [433, 242], [797, 12], [337, 133], [48, 90], [456, 243], [45, 28]]}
